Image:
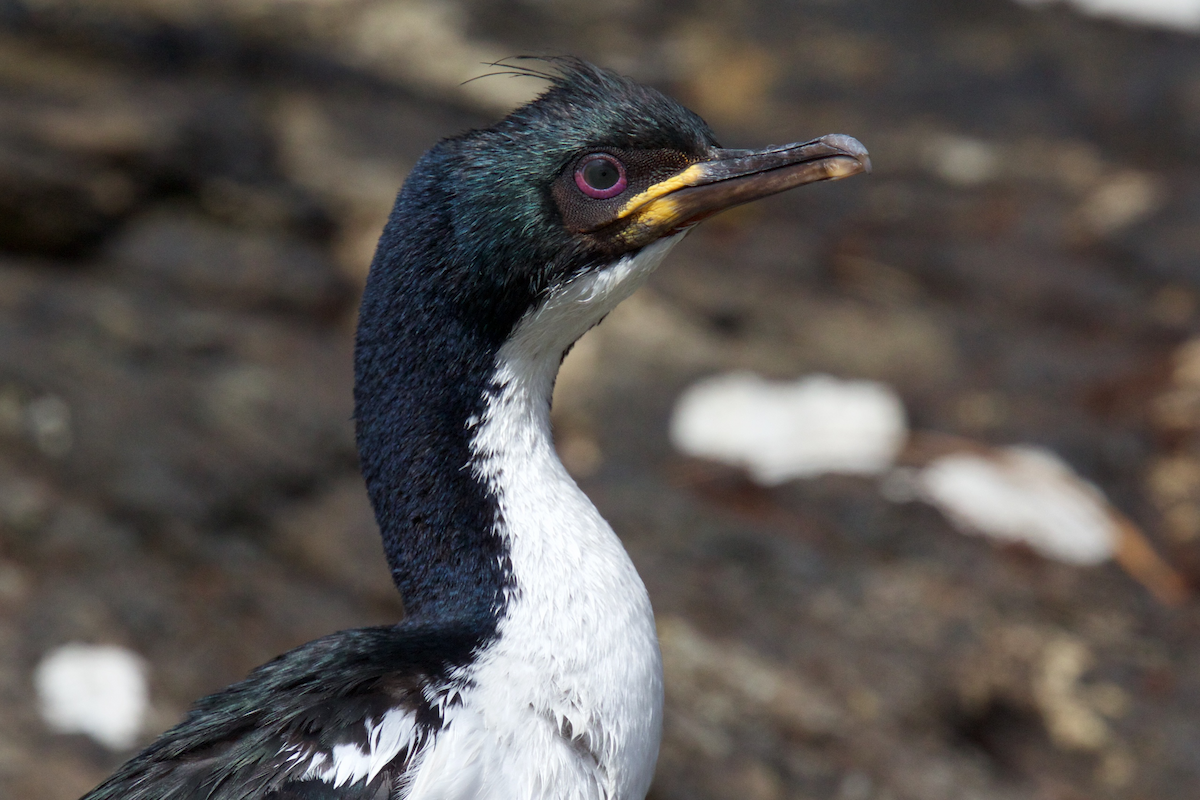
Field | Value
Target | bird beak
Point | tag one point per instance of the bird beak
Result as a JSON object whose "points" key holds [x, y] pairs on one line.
{"points": [[735, 177]]}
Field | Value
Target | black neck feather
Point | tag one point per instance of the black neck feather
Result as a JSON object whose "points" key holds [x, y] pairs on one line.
{"points": [[433, 317]]}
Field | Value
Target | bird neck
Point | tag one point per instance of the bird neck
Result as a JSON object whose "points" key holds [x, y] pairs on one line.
{"points": [[418, 384], [452, 389], [428, 335]]}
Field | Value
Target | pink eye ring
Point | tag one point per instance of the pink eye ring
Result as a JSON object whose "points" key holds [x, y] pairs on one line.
{"points": [[600, 176]]}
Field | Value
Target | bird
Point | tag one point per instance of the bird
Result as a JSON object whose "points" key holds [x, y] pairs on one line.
{"points": [[526, 665]]}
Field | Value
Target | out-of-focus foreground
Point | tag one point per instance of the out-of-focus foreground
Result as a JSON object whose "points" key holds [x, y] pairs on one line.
{"points": [[189, 198]]}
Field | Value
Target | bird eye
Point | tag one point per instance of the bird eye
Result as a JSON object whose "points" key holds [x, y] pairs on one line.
{"points": [[600, 176]]}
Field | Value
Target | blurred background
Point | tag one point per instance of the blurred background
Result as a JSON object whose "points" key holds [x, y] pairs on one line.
{"points": [[190, 194]]}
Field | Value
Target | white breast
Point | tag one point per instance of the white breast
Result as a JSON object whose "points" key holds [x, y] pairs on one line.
{"points": [[567, 701]]}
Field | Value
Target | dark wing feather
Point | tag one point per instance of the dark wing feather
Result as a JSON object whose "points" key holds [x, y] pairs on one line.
{"points": [[239, 744]]}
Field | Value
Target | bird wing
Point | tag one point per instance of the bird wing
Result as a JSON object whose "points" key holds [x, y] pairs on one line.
{"points": [[312, 761], [340, 717]]}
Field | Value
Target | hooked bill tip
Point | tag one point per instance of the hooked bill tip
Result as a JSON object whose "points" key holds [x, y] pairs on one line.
{"points": [[851, 147]]}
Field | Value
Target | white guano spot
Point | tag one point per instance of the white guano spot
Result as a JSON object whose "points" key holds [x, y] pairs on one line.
{"points": [[1123, 200], [96, 690], [962, 161], [1023, 494], [1180, 14], [783, 430], [49, 421]]}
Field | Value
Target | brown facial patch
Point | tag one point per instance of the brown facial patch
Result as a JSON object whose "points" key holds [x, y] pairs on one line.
{"points": [[643, 168]]}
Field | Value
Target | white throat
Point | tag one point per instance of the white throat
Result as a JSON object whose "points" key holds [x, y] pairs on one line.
{"points": [[534, 350], [573, 683]]}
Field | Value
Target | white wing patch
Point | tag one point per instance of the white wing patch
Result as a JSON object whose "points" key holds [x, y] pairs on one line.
{"points": [[347, 764], [397, 731]]}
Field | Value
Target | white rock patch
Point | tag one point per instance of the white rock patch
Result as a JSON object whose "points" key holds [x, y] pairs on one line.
{"points": [[97, 690], [783, 430], [1182, 14], [1023, 494]]}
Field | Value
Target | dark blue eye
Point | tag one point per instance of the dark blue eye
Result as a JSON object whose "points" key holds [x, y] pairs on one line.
{"points": [[600, 176]]}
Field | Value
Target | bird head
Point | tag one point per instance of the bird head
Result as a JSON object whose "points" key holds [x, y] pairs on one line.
{"points": [[596, 168]]}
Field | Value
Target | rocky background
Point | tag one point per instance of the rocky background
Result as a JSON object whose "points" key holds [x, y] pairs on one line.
{"points": [[189, 197]]}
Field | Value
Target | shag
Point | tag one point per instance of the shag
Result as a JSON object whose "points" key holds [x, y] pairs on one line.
{"points": [[527, 665]]}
